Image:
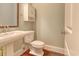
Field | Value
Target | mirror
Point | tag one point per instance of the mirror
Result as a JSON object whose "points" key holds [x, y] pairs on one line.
{"points": [[9, 15]]}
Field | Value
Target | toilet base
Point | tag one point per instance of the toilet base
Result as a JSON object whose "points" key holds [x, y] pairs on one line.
{"points": [[37, 54]]}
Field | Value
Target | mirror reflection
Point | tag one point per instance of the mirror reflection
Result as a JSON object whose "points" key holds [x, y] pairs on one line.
{"points": [[8, 14]]}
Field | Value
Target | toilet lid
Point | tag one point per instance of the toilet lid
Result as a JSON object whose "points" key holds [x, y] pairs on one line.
{"points": [[37, 43]]}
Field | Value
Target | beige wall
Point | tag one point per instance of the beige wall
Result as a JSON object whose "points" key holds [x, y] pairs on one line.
{"points": [[50, 23]]}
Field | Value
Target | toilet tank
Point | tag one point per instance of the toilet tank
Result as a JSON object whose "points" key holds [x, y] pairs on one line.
{"points": [[29, 37]]}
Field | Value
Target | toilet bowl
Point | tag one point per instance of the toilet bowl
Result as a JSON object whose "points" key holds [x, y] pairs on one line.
{"points": [[35, 46]]}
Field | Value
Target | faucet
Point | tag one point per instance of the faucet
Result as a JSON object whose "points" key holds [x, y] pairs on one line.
{"points": [[4, 28], [7, 27]]}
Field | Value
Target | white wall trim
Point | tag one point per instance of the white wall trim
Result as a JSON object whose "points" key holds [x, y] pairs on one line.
{"points": [[54, 48], [67, 52]]}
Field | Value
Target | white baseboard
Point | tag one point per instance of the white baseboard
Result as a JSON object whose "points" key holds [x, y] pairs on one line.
{"points": [[54, 48]]}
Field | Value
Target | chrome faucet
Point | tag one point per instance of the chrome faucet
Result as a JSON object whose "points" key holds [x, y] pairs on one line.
{"points": [[7, 27], [4, 29]]}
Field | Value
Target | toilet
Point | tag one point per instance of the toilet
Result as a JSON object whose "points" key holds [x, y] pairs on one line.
{"points": [[35, 46]]}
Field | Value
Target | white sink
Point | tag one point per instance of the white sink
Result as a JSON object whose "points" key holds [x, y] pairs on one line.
{"points": [[14, 32], [8, 37], [4, 34]]}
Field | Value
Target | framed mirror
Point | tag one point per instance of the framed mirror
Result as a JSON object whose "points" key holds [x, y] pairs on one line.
{"points": [[9, 15]]}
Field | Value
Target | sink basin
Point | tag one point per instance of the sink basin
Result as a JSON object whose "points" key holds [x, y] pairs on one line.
{"points": [[6, 33], [11, 33], [8, 37]]}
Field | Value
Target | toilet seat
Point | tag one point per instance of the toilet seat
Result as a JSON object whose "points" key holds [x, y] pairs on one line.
{"points": [[38, 44]]}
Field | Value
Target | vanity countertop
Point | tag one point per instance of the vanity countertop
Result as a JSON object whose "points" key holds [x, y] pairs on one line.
{"points": [[9, 37]]}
